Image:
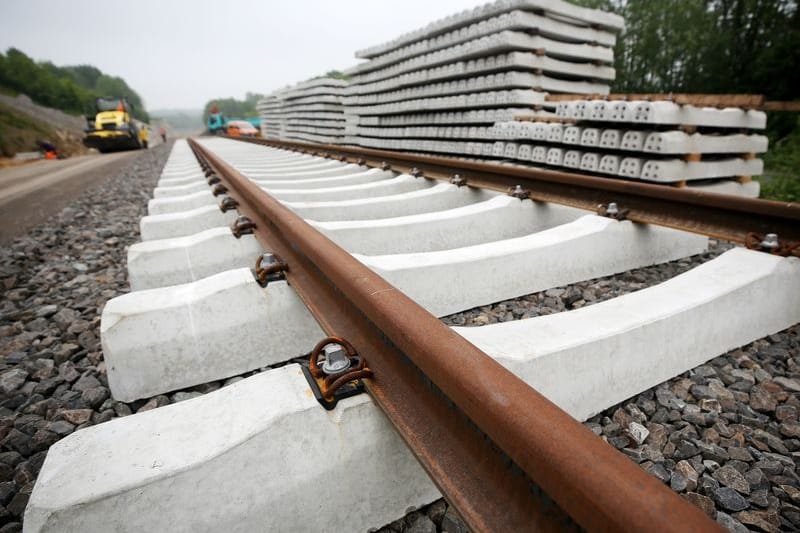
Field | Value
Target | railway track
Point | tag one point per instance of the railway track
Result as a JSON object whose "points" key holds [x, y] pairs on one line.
{"points": [[486, 416]]}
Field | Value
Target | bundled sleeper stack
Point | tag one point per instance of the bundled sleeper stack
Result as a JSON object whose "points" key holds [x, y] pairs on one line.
{"points": [[659, 141], [435, 89], [310, 111], [476, 85]]}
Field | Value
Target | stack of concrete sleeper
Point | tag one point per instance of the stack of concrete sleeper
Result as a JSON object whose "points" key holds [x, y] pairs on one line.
{"points": [[435, 89], [309, 111], [658, 141]]}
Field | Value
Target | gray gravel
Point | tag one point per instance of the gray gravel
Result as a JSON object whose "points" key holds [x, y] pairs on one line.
{"points": [[54, 283], [724, 435]]}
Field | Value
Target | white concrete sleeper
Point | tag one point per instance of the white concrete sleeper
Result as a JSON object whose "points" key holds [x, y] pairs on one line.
{"points": [[170, 338], [164, 262], [501, 217], [591, 358], [449, 281], [183, 223], [248, 457]]}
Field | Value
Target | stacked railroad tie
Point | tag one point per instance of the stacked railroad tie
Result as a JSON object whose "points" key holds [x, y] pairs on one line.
{"points": [[308, 111], [435, 89], [659, 140], [524, 81]]}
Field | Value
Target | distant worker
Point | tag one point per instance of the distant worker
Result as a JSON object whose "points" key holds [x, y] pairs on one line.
{"points": [[50, 151], [163, 133], [121, 107]]}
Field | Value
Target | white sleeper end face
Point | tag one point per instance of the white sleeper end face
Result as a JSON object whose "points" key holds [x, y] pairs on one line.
{"points": [[572, 159], [572, 135], [610, 139], [631, 167], [633, 140], [589, 137], [555, 133], [609, 164], [598, 110], [539, 154], [642, 112], [619, 112], [555, 156], [511, 150], [589, 161]]}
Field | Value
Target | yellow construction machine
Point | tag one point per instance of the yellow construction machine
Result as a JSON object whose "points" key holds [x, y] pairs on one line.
{"points": [[113, 127]]}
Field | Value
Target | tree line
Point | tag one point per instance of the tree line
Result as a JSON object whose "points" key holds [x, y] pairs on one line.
{"points": [[72, 89], [231, 107], [709, 46]]}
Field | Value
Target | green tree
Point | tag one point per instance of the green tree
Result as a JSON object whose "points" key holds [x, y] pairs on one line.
{"points": [[231, 107], [70, 89]]}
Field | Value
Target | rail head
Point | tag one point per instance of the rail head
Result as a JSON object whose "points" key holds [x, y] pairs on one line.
{"points": [[506, 457]]}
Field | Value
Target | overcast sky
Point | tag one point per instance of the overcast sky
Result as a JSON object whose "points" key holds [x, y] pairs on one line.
{"points": [[181, 53]]}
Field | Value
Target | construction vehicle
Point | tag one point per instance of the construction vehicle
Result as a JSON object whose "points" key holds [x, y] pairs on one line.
{"points": [[113, 127], [241, 128], [217, 123]]}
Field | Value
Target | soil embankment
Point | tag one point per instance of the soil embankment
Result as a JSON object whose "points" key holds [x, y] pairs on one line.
{"points": [[24, 123]]}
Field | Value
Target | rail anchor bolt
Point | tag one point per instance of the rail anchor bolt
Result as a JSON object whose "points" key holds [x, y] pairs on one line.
{"points": [[612, 210], [458, 180], [770, 241], [518, 192], [242, 226], [336, 360], [270, 267], [228, 204]]}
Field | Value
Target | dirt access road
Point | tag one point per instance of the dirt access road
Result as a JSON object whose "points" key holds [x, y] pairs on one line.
{"points": [[32, 192]]}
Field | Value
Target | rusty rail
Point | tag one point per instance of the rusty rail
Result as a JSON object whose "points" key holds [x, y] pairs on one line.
{"points": [[726, 217], [507, 458]]}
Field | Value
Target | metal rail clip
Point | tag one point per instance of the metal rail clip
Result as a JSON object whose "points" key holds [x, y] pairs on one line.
{"points": [[770, 243], [242, 226], [340, 374], [458, 180], [228, 204], [219, 189], [611, 210], [519, 192], [270, 267]]}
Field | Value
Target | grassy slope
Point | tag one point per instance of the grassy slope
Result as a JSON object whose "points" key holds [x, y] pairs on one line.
{"points": [[19, 133]]}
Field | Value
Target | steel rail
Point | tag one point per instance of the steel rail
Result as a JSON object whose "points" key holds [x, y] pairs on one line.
{"points": [[507, 458], [721, 216]]}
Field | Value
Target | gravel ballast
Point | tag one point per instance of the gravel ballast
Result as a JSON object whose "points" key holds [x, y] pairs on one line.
{"points": [[54, 282], [724, 435]]}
